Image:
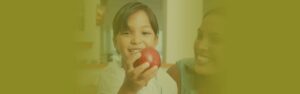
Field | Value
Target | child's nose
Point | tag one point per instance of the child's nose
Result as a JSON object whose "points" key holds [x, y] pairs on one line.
{"points": [[136, 40]]}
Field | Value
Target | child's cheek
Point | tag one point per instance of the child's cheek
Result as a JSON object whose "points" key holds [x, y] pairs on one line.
{"points": [[121, 48], [150, 43]]}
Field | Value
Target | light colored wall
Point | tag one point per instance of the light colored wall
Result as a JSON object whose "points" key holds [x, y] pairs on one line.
{"points": [[183, 19]]}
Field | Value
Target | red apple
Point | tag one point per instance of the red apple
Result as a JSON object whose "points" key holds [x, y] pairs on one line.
{"points": [[149, 55]]}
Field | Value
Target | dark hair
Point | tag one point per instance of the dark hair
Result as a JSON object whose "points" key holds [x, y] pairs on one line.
{"points": [[121, 18]]}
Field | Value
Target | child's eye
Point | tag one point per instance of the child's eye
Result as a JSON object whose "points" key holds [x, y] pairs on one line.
{"points": [[146, 33], [125, 33]]}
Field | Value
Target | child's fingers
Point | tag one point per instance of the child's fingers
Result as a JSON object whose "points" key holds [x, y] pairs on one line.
{"points": [[140, 69], [131, 60], [148, 74]]}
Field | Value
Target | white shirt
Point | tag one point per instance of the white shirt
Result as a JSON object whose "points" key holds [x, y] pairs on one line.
{"points": [[112, 77]]}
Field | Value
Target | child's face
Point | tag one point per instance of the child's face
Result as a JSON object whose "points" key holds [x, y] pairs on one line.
{"points": [[207, 44], [138, 36]]}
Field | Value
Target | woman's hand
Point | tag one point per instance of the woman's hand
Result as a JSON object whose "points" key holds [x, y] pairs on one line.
{"points": [[136, 77]]}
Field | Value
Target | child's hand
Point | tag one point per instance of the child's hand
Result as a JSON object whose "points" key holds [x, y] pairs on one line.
{"points": [[136, 77]]}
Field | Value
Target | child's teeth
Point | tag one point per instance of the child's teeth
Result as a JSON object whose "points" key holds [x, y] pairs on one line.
{"points": [[134, 51]]}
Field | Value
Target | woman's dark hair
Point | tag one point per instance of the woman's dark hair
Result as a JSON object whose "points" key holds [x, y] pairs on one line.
{"points": [[121, 18]]}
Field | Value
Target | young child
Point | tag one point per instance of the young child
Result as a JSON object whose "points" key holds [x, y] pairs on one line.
{"points": [[135, 27], [194, 76]]}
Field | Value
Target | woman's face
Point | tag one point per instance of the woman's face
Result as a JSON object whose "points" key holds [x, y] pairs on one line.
{"points": [[138, 35], [207, 45]]}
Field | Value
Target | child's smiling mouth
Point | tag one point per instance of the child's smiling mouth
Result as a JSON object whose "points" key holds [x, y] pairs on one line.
{"points": [[134, 50]]}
